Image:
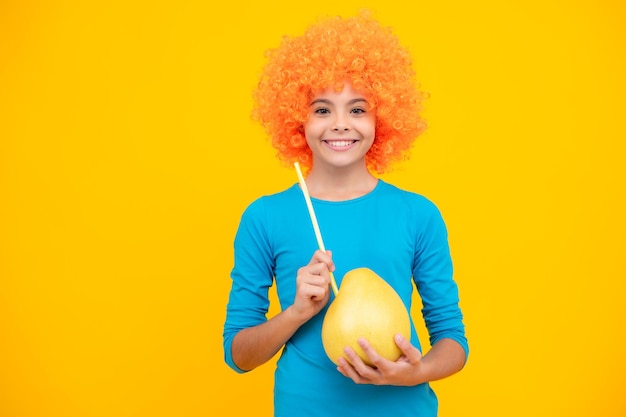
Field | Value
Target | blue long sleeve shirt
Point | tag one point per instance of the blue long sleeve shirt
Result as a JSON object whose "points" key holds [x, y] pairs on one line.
{"points": [[398, 234]]}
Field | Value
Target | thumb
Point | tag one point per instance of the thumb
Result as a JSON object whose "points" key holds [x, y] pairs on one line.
{"points": [[412, 354], [331, 265]]}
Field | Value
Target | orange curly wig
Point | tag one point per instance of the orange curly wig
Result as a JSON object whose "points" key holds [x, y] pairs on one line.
{"points": [[357, 49]]}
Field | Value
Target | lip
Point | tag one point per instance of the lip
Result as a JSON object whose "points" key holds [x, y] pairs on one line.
{"points": [[339, 145]]}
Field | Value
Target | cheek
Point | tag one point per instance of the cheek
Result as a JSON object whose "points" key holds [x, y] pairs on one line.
{"points": [[368, 128], [308, 135], [311, 130], [372, 126]]}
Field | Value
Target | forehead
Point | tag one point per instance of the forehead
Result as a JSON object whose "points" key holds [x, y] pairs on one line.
{"points": [[341, 93]]}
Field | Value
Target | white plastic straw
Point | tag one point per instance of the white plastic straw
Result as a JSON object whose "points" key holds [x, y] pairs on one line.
{"points": [[316, 227]]}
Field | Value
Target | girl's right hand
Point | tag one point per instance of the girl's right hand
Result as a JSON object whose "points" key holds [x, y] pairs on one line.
{"points": [[313, 285]]}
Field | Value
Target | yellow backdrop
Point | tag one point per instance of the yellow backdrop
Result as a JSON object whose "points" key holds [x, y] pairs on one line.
{"points": [[127, 156]]}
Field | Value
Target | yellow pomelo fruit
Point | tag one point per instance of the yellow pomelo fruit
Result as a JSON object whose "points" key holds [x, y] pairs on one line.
{"points": [[366, 306]]}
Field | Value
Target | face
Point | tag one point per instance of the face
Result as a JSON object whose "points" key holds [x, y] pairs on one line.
{"points": [[340, 128]]}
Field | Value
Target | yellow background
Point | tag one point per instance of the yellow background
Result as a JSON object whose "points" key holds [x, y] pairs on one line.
{"points": [[127, 156]]}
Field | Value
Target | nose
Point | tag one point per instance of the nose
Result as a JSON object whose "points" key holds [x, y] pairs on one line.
{"points": [[340, 124]]}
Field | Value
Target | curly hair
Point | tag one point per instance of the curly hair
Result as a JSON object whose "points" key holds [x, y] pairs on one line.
{"points": [[329, 53]]}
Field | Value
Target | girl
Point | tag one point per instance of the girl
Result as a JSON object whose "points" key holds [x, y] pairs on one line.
{"points": [[342, 101]]}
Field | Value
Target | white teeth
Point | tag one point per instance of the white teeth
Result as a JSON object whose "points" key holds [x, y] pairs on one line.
{"points": [[340, 143]]}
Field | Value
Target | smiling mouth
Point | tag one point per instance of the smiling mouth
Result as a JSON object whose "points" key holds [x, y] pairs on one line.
{"points": [[340, 143]]}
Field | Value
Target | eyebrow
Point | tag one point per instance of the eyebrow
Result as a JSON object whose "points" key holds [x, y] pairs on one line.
{"points": [[326, 101]]}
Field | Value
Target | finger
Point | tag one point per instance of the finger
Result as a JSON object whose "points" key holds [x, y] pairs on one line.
{"points": [[347, 370], [318, 269], [314, 289], [331, 264], [374, 357], [324, 258], [317, 276], [412, 354], [365, 371]]}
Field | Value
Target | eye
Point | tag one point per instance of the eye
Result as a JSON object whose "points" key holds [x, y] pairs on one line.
{"points": [[358, 110], [321, 110]]}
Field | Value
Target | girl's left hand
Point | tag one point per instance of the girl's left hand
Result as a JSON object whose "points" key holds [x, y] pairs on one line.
{"points": [[407, 370]]}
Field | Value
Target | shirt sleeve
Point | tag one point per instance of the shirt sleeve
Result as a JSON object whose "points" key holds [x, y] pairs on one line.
{"points": [[252, 276], [433, 275]]}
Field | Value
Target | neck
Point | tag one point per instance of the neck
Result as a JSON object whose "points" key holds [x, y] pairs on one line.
{"points": [[339, 183]]}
